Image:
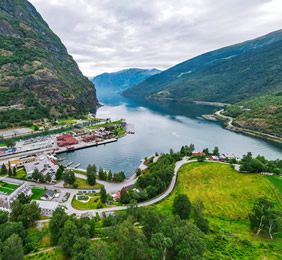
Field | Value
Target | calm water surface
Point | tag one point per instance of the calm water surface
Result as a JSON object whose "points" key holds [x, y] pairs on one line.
{"points": [[159, 127]]}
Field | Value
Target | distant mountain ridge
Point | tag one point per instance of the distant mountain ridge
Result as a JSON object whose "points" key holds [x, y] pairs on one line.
{"points": [[249, 73], [35, 67], [182, 82], [123, 79]]}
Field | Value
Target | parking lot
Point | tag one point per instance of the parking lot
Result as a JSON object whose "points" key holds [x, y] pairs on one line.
{"points": [[44, 164]]}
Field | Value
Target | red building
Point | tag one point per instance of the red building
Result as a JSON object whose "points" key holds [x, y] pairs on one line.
{"points": [[198, 154], [66, 140]]}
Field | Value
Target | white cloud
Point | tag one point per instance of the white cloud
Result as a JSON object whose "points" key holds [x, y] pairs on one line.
{"points": [[110, 35]]}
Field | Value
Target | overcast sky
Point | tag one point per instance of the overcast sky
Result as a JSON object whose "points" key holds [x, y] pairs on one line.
{"points": [[111, 35]]}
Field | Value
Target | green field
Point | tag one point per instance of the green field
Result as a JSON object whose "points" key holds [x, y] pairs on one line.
{"points": [[37, 193], [21, 173], [228, 197], [7, 187], [83, 184], [91, 204], [225, 192]]}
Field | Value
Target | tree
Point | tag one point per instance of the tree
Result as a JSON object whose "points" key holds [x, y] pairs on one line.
{"points": [[48, 178], [36, 174], [13, 248], [68, 238], [59, 172], [91, 174], [206, 151], [181, 206], [263, 217], [57, 223], [33, 212], [10, 142], [110, 176], [160, 244], [10, 173], [103, 195], [4, 170], [138, 172], [3, 217], [124, 196], [69, 177], [102, 174], [215, 151], [24, 199], [14, 171], [188, 242], [201, 158], [130, 244], [98, 251], [79, 248], [200, 221]]}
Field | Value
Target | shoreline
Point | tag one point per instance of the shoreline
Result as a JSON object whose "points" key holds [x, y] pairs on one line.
{"points": [[233, 128]]}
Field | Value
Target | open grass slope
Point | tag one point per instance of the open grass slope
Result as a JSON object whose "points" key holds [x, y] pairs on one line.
{"points": [[225, 192], [228, 197]]}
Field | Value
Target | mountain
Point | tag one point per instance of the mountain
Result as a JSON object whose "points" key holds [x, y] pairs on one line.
{"points": [[245, 73], [37, 73], [123, 79]]}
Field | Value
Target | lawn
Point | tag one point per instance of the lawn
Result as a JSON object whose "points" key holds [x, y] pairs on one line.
{"points": [[228, 197], [8, 191], [225, 192], [91, 204], [37, 193], [7, 187], [82, 184], [21, 173]]}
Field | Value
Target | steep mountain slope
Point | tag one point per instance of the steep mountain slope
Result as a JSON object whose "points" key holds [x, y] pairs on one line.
{"points": [[247, 75], [228, 75], [37, 72], [123, 79]]}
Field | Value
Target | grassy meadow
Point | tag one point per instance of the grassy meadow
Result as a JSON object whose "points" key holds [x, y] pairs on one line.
{"points": [[228, 197]]}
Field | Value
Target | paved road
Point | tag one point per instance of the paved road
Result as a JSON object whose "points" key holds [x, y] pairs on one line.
{"points": [[230, 126], [132, 180]]}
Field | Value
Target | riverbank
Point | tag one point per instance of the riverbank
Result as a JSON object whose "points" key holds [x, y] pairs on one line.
{"points": [[231, 127]]}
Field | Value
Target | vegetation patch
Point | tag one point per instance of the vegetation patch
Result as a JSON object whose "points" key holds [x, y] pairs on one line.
{"points": [[37, 193]]}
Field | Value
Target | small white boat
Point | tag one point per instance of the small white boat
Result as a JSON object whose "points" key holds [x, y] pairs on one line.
{"points": [[70, 163], [77, 165]]}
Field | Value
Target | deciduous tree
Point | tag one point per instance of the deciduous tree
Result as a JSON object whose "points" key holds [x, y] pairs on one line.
{"points": [[13, 248], [181, 206]]}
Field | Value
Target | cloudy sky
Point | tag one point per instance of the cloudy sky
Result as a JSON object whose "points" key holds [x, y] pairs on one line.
{"points": [[110, 35]]}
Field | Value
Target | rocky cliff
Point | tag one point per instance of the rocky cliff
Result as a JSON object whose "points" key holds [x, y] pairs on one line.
{"points": [[36, 70]]}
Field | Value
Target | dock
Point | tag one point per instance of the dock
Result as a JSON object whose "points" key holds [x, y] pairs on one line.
{"points": [[130, 129], [85, 145]]}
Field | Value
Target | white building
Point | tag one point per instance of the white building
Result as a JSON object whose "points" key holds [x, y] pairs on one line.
{"points": [[7, 199], [47, 207]]}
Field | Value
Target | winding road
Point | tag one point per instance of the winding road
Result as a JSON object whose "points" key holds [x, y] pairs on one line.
{"points": [[110, 187]]}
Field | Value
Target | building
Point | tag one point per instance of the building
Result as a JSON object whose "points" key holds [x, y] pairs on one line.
{"points": [[48, 195], [88, 138], [216, 158], [116, 196], [7, 199], [66, 140], [198, 154], [47, 207]]}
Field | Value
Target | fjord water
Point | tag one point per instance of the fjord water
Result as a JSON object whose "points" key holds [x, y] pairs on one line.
{"points": [[159, 127]]}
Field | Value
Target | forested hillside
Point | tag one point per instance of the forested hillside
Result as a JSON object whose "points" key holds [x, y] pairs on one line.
{"points": [[37, 73], [249, 73]]}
